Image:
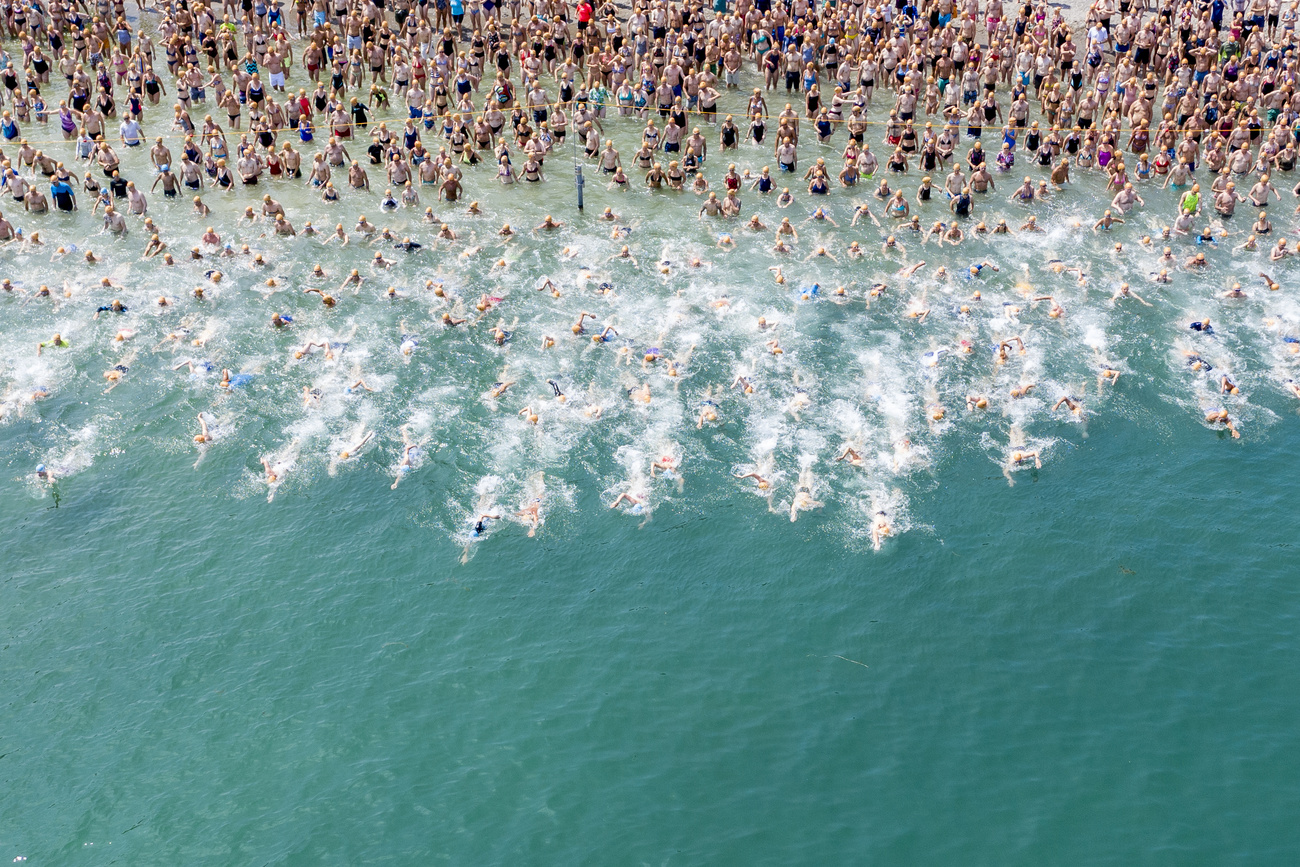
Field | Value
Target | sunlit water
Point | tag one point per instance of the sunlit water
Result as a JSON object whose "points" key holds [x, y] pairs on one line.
{"points": [[1095, 662]]}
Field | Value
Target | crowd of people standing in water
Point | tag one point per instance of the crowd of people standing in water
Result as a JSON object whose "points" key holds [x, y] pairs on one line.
{"points": [[424, 100]]}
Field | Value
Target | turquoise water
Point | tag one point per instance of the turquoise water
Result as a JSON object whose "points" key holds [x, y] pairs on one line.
{"points": [[1094, 665], [1094, 668]]}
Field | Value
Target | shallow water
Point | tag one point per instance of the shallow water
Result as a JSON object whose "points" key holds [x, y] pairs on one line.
{"points": [[1089, 666]]}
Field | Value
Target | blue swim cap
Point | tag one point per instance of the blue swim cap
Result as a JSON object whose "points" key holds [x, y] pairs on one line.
{"points": [[40, 468]]}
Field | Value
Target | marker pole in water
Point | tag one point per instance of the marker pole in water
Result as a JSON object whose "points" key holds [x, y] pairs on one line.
{"points": [[577, 169]]}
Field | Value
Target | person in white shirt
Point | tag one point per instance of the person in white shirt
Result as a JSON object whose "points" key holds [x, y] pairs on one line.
{"points": [[131, 133]]}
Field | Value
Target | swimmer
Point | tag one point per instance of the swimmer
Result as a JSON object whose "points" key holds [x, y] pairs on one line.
{"points": [[917, 309], [848, 453], [630, 497], [863, 209], [481, 525], [577, 327], [1072, 405], [531, 514], [1125, 292], [765, 484], [880, 529], [55, 342], [1020, 457], [409, 449], [306, 349], [624, 254], [1220, 416], [1056, 311], [1106, 222], [803, 499], [798, 403], [353, 279], [327, 300], [113, 376], [115, 307], [1019, 391], [272, 477], [821, 216], [355, 449], [667, 464]]}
